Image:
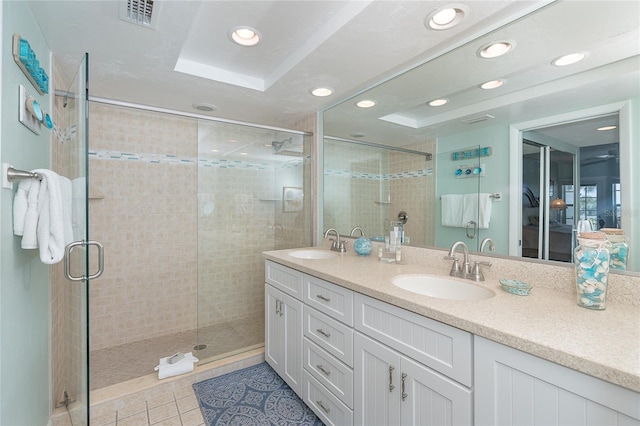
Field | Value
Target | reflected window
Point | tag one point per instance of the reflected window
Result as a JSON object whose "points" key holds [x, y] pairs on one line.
{"points": [[589, 203], [615, 190], [568, 197]]}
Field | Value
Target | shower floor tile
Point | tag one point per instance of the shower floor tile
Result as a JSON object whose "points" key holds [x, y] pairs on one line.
{"points": [[125, 362]]}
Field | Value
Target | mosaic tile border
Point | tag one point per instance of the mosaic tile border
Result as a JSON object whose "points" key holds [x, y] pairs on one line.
{"points": [[376, 176], [174, 160]]}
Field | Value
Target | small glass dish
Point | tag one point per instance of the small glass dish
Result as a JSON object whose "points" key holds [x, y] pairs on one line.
{"points": [[516, 287]]}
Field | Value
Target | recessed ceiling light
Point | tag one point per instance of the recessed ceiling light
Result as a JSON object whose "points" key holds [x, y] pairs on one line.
{"points": [[244, 153], [322, 91], [232, 140], [438, 102], [215, 150], [445, 17], [602, 129], [492, 84], [245, 36], [366, 103], [495, 49], [204, 107], [569, 59]]}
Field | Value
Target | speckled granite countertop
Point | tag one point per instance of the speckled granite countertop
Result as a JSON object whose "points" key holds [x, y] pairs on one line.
{"points": [[547, 323]]}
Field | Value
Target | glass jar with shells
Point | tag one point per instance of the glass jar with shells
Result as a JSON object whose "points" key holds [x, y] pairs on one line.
{"points": [[592, 260]]}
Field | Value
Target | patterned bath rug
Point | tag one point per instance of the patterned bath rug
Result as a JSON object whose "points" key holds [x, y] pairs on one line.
{"points": [[254, 396]]}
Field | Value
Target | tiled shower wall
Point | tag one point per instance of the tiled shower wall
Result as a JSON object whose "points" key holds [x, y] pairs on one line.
{"points": [[144, 211], [411, 192], [171, 264], [244, 218], [366, 186]]}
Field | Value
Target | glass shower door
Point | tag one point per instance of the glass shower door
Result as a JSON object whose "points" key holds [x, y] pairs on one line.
{"points": [[71, 286]]}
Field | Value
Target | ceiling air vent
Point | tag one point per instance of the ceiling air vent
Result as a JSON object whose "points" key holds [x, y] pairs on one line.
{"points": [[477, 119], [140, 12]]}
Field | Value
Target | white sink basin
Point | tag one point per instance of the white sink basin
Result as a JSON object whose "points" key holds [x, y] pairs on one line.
{"points": [[312, 254], [441, 287]]}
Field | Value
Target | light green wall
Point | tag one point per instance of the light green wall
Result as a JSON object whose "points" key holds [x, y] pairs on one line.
{"points": [[495, 179], [24, 280]]}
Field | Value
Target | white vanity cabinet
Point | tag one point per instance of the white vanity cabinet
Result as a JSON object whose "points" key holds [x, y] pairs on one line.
{"points": [[516, 388], [328, 350], [393, 389], [283, 323]]}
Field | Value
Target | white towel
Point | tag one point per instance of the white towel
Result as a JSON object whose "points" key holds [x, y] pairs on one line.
{"points": [[185, 365], [452, 205], [477, 208], [20, 205], [469, 209], [31, 215], [51, 227], [485, 203]]}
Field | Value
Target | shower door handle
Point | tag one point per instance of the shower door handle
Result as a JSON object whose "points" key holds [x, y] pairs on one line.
{"points": [[67, 260]]}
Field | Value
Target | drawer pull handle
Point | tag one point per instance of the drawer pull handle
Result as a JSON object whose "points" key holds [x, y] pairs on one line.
{"points": [[324, 333], [326, 409], [321, 368], [321, 297], [391, 386], [404, 394]]}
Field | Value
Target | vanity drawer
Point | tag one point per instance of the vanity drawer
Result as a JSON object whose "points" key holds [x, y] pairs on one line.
{"points": [[446, 349], [331, 335], [284, 278], [330, 409], [331, 299], [333, 374]]}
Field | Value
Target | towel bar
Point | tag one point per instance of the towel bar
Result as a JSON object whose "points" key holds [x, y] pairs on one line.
{"points": [[496, 196], [15, 174]]}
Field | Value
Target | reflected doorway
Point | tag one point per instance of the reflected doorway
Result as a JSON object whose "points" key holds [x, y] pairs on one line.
{"points": [[554, 159]]}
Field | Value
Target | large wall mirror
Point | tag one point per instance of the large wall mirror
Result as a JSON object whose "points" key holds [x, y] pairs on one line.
{"points": [[528, 152]]}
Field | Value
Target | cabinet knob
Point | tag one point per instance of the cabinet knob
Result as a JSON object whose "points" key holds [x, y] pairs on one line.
{"points": [[321, 368], [391, 386], [321, 405], [321, 297], [404, 394], [324, 333]]}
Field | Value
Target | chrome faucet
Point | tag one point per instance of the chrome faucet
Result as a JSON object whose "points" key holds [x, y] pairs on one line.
{"points": [[336, 245], [456, 270], [476, 273], [485, 242], [357, 228]]}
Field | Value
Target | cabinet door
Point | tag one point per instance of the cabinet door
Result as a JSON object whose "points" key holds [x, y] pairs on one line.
{"points": [[273, 329], [429, 398], [283, 334], [516, 388], [377, 384]]}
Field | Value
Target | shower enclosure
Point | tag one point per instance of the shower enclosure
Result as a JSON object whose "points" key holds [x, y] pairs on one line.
{"points": [[184, 207], [245, 175], [368, 186], [69, 299]]}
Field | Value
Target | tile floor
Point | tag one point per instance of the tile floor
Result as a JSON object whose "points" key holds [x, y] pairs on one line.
{"points": [[125, 362], [177, 406], [148, 401]]}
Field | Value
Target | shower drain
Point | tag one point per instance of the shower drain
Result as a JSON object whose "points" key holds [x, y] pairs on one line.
{"points": [[199, 347]]}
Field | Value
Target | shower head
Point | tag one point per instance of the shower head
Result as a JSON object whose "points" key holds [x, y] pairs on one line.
{"points": [[276, 146]]}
